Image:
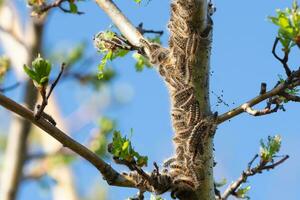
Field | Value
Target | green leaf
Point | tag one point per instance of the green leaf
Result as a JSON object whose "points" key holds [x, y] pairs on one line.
{"points": [[73, 7], [30, 73], [141, 62], [242, 192], [288, 22], [154, 197], [39, 71], [122, 149], [270, 148], [44, 80]]}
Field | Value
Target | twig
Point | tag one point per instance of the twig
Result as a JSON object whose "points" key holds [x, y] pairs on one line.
{"points": [[56, 80], [61, 151], [110, 175], [265, 111], [290, 97], [143, 31], [263, 88], [283, 60], [133, 167], [262, 166], [8, 88], [291, 81], [56, 4], [45, 97]]}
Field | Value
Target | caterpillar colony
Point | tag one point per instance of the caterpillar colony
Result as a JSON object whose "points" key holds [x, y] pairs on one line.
{"points": [[175, 65]]}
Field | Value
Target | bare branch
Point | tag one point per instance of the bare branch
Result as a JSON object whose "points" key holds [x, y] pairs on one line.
{"points": [[254, 112], [11, 87], [56, 4], [56, 80], [283, 60], [45, 98], [291, 81], [143, 31], [262, 166], [290, 97], [110, 175]]}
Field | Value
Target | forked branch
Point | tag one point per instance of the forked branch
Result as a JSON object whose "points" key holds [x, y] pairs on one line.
{"points": [[279, 90], [262, 166]]}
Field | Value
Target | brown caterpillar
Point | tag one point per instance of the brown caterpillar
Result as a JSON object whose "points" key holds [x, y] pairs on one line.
{"points": [[182, 96], [193, 114]]}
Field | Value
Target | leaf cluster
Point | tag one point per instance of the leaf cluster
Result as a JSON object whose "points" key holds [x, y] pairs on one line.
{"points": [[108, 44], [39, 71], [288, 22], [242, 192], [291, 91], [121, 148], [269, 148]]}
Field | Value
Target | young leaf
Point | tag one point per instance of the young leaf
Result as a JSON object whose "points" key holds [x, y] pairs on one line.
{"points": [[154, 197], [122, 149], [39, 71], [30, 73], [270, 148], [141, 62], [242, 192], [288, 22]]}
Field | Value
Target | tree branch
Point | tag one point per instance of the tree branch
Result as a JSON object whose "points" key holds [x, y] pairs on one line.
{"points": [[262, 166], [277, 90], [284, 60], [110, 175], [56, 4]]}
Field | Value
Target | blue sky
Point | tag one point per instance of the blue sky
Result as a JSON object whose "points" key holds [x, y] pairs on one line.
{"points": [[241, 60]]}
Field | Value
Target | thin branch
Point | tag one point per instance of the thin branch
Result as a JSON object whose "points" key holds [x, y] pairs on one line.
{"points": [[277, 90], [45, 97], [56, 80], [290, 97], [262, 112], [283, 60], [110, 175], [56, 4], [144, 31], [8, 88], [262, 166]]}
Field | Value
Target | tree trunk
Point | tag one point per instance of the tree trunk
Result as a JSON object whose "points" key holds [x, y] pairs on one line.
{"points": [[190, 46]]}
